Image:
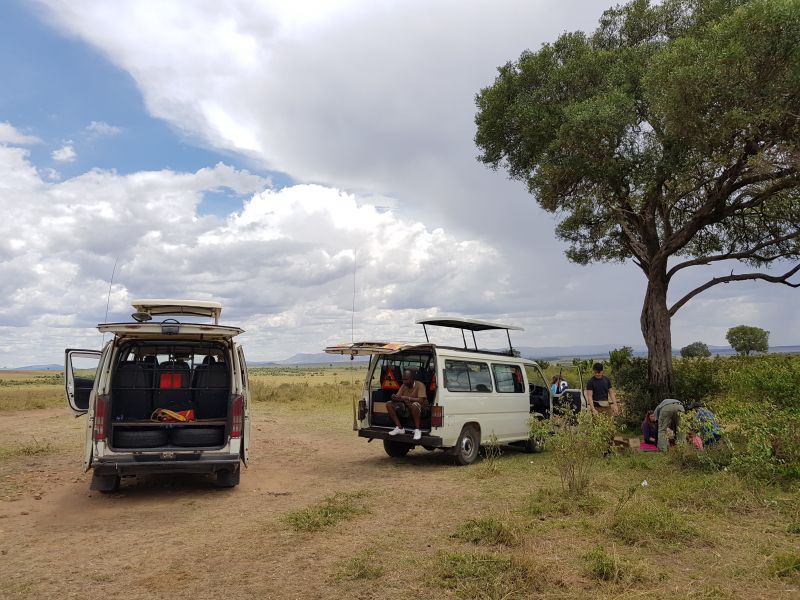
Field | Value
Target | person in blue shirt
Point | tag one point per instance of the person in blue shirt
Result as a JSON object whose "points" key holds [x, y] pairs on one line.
{"points": [[710, 430]]}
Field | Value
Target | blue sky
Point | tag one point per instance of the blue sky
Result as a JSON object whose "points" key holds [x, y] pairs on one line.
{"points": [[56, 85]]}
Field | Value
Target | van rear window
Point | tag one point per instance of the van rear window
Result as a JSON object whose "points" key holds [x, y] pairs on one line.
{"points": [[467, 376]]}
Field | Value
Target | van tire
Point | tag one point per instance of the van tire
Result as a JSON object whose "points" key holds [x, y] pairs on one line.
{"points": [[227, 479], [140, 438], [396, 449], [534, 445], [468, 445], [198, 436]]}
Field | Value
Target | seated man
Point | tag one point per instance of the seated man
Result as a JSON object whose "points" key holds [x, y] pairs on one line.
{"points": [[410, 398]]}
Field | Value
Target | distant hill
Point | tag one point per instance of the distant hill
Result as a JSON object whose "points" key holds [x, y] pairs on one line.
{"points": [[50, 367], [318, 358]]}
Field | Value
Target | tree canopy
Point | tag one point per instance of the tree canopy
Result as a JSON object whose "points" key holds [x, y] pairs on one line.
{"points": [[695, 350], [746, 339], [669, 137]]}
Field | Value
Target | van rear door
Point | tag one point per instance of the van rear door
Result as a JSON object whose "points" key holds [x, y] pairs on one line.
{"points": [[80, 371], [245, 383]]}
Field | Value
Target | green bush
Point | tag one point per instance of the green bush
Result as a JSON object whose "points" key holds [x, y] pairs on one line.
{"points": [[774, 379], [578, 442], [695, 350], [634, 391]]}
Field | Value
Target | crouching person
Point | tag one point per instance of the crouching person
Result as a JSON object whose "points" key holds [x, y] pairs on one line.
{"points": [[668, 415], [411, 399]]}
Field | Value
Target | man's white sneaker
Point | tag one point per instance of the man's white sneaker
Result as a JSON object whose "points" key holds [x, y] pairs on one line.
{"points": [[417, 434], [397, 431]]}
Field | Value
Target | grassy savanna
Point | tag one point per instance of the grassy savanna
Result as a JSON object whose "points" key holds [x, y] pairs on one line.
{"points": [[25, 390], [321, 513]]}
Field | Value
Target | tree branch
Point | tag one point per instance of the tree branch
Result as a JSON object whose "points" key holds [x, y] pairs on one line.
{"points": [[749, 253], [784, 279]]}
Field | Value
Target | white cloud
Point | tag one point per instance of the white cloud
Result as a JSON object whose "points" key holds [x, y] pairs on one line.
{"points": [[10, 135], [374, 98], [65, 154], [102, 129], [286, 258]]}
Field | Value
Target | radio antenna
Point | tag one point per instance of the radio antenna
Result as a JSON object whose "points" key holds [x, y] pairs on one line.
{"points": [[108, 299], [353, 311]]}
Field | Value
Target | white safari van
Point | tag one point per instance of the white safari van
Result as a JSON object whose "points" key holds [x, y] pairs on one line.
{"points": [[163, 396], [474, 395]]}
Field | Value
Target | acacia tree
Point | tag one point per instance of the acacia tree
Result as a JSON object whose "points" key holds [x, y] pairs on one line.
{"points": [[746, 339], [669, 137]]}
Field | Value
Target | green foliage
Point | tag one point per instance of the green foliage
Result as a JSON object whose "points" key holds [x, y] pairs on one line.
{"points": [[618, 132], [339, 507], [489, 530], [774, 379], [543, 364], [631, 380], [696, 350], [619, 357], [746, 339], [578, 442]]}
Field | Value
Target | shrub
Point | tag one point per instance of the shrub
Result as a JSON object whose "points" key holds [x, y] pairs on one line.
{"points": [[695, 350], [578, 442], [634, 391], [619, 357]]}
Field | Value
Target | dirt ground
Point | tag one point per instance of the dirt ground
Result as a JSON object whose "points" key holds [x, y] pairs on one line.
{"points": [[180, 537]]}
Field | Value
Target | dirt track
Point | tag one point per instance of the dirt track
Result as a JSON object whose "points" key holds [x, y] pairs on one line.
{"points": [[180, 537]]}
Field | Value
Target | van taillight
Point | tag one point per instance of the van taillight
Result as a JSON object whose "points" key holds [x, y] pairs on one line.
{"points": [[237, 416], [437, 416], [100, 412], [362, 410]]}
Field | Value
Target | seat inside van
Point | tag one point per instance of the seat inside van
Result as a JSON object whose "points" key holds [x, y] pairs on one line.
{"points": [[181, 376]]}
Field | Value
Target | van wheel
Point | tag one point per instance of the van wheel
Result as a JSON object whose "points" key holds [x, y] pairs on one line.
{"points": [[430, 448], [469, 442], [105, 484], [198, 436], [228, 479], [396, 449], [534, 445]]}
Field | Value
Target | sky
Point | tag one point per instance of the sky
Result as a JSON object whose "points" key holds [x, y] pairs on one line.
{"points": [[311, 165]]}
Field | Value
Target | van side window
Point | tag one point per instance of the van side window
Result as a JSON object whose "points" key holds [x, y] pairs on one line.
{"points": [[508, 379], [467, 376]]}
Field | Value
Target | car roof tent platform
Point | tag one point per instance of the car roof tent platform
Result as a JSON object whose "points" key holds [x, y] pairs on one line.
{"points": [[471, 325], [167, 306]]}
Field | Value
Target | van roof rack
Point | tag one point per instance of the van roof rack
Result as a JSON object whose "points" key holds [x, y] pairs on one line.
{"points": [[471, 325]]}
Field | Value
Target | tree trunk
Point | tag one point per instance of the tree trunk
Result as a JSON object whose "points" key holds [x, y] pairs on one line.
{"points": [[657, 332]]}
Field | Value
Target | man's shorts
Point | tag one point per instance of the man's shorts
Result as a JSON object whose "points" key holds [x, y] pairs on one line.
{"points": [[402, 410]]}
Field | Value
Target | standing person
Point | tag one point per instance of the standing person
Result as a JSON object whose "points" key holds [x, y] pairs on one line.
{"points": [[600, 395], [668, 415], [650, 432], [412, 399], [554, 385]]}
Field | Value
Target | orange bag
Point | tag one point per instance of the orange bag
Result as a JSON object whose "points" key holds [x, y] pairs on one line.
{"points": [[166, 415]]}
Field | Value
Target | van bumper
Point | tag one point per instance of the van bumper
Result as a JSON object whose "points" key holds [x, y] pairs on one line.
{"points": [[166, 462], [379, 433]]}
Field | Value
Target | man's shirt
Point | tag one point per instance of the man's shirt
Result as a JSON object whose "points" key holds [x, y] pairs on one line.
{"points": [[415, 390]]}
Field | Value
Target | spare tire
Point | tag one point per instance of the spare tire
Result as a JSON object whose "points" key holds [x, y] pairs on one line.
{"points": [[198, 436], [140, 438]]}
